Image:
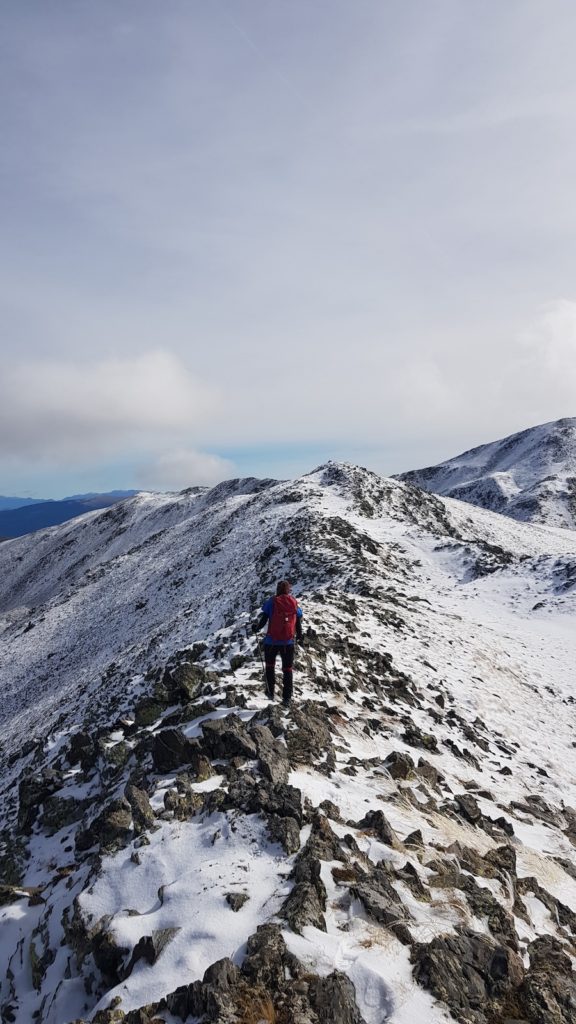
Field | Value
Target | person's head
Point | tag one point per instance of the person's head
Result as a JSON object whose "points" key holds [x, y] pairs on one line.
{"points": [[283, 587]]}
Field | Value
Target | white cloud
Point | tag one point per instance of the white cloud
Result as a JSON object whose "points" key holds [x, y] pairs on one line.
{"points": [[66, 410], [175, 470]]}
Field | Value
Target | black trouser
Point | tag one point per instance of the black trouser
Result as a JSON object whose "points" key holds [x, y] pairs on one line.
{"points": [[286, 652]]}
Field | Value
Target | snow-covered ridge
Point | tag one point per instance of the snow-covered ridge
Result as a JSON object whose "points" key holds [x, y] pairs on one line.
{"points": [[530, 476], [409, 820]]}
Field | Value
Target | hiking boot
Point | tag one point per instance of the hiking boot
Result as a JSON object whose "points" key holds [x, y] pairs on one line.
{"points": [[286, 702], [269, 693]]}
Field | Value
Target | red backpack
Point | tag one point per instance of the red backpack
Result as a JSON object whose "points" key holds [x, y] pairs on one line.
{"points": [[282, 625]]}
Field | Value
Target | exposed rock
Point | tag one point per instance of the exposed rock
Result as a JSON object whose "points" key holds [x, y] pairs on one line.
{"points": [[377, 822], [380, 899], [184, 680], [285, 831], [184, 805], [227, 737], [415, 737], [236, 900], [32, 792], [172, 749], [549, 989], [399, 765], [475, 976], [111, 830], [468, 807], [273, 756], [303, 906], [322, 843], [83, 750], [415, 839], [310, 734], [142, 812], [150, 947], [333, 1000], [148, 710], [59, 812]]}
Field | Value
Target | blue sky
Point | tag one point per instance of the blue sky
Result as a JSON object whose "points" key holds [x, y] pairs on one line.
{"points": [[244, 237]]}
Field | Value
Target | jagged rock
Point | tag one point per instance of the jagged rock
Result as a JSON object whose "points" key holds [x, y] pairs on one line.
{"points": [[549, 989], [150, 947], [468, 807], [202, 768], [171, 749], [399, 765], [83, 750], [537, 807], [184, 680], [273, 756], [255, 796], [429, 772], [559, 911], [142, 812], [117, 756], [111, 830], [236, 900], [108, 956], [322, 843], [380, 899], [148, 710], [184, 805], [330, 809], [12, 854], [377, 822], [484, 904], [285, 831], [267, 961], [415, 737], [59, 812], [303, 906], [472, 974], [415, 839], [32, 792], [333, 1000], [213, 996], [226, 738], [310, 734]]}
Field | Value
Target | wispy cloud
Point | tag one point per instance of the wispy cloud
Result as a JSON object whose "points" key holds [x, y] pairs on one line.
{"points": [[174, 470], [74, 410]]}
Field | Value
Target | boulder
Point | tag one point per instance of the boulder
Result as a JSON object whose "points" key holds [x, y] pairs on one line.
{"points": [[142, 812], [226, 738], [377, 822], [171, 749]]}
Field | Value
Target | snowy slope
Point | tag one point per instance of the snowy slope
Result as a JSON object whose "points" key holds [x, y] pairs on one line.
{"points": [[530, 476], [435, 685]]}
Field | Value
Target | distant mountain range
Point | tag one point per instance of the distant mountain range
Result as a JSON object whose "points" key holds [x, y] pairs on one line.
{"points": [[35, 514], [530, 476]]}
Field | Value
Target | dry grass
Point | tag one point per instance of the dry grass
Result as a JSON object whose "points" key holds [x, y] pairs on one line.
{"points": [[255, 1008]]}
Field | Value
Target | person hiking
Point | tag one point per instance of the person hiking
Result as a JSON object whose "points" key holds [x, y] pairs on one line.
{"points": [[284, 617]]}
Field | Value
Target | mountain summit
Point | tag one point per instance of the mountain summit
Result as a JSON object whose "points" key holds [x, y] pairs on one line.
{"points": [[396, 847], [530, 476]]}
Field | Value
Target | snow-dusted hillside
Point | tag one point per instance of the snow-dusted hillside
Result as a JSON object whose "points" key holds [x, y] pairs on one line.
{"points": [[399, 846], [530, 476]]}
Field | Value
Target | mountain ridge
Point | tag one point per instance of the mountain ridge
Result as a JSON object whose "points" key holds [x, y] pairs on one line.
{"points": [[180, 848], [529, 475]]}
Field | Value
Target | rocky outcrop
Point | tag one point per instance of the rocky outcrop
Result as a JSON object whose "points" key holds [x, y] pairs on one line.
{"points": [[271, 985]]}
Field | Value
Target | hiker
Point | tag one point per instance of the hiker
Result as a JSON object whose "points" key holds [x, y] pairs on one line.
{"points": [[283, 615]]}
